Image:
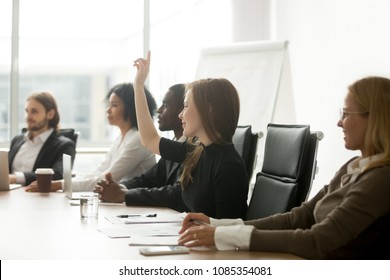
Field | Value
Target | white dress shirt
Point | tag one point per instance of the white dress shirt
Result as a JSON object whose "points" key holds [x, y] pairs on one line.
{"points": [[127, 158], [231, 234], [27, 155]]}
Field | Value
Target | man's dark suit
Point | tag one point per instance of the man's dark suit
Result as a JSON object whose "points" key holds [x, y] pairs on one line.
{"points": [[50, 155], [158, 186]]}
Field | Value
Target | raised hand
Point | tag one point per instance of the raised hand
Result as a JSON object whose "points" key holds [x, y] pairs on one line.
{"points": [[143, 66]]}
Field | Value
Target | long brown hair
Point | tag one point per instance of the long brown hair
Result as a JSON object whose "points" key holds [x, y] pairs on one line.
{"points": [[218, 104], [372, 95]]}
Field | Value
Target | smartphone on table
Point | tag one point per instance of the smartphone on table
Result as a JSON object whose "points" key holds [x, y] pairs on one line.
{"points": [[164, 250]]}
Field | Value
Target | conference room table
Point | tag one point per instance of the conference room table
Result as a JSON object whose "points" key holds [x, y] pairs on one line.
{"points": [[45, 226]]}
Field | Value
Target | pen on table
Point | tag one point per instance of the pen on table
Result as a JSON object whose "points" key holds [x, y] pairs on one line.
{"points": [[137, 215], [199, 222]]}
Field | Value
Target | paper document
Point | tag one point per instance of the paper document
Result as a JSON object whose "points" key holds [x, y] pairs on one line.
{"points": [[143, 230], [153, 240]]}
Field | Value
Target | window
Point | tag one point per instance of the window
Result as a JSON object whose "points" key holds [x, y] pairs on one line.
{"points": [[5, 67], [80, 49]]}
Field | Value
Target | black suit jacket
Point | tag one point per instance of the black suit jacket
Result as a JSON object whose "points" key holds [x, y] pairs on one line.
{"points": [[50, 155], [158, 186]]}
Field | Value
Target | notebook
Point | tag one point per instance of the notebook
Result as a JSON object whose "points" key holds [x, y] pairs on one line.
{"points": [[4, 174], [67, 175]]}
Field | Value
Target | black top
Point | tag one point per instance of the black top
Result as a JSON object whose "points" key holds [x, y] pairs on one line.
{"points": [[50, 155], [158, 186], [220, 181]]}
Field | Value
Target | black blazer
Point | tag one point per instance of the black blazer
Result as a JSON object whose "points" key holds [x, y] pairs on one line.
{"points": [[50, 155], [158, 186]]}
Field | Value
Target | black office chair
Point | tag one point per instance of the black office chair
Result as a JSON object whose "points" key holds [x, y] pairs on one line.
{"points": [[310, 168], [245, 142], [288, 170], [69, 133]]}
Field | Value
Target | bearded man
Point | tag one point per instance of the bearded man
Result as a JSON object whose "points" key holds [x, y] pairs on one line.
{"points": [[40, 146]]}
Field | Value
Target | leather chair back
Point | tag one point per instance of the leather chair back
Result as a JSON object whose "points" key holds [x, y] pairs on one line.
{"points": [[245, 142], [69, 133], [287, 172]]}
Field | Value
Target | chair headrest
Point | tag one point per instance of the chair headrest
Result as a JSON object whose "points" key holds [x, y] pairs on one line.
{"points": [[284, 149], [241, 136]]}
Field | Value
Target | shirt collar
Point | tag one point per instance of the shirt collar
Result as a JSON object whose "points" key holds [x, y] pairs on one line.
{"points": [[130, 132], [357, 165], [182, 139], [40, 137]]}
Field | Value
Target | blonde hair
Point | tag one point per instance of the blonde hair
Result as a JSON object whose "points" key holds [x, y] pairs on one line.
{"points": [[372, 95], [218, 104]]}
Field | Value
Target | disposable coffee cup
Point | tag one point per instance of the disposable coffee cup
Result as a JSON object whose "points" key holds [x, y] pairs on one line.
{"points": [[89, 205], [44, 178]]}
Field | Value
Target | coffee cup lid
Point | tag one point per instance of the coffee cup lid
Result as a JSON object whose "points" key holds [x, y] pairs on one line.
{"points": [[44, 171]]}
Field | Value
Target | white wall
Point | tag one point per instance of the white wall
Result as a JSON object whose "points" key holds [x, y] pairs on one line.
{"points": [[332, 44]]}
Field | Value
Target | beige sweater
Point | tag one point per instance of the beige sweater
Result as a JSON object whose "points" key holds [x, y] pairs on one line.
{"points": [[331, 219]]}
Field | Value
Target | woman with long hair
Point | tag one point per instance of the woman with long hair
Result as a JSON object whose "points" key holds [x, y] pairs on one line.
{"points": [[214, 178]]}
